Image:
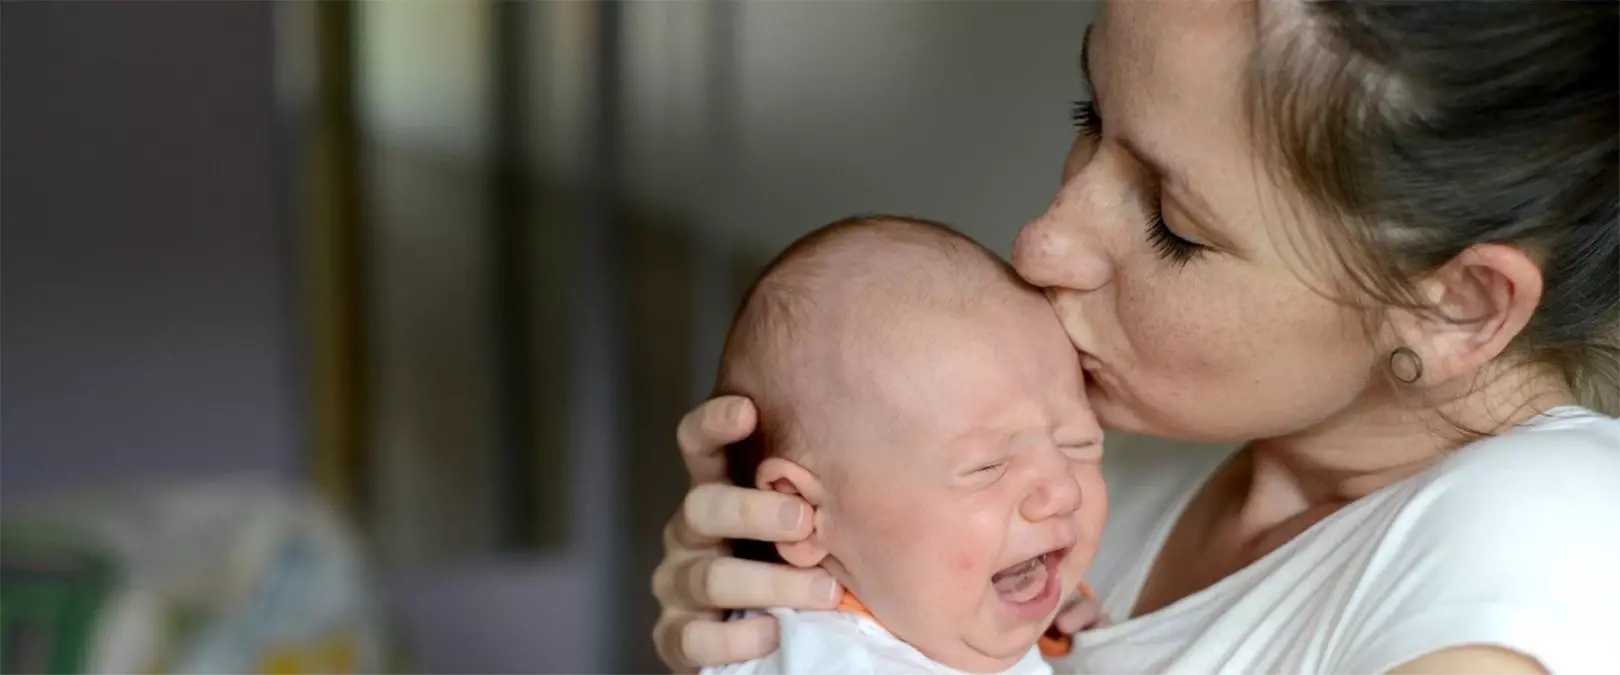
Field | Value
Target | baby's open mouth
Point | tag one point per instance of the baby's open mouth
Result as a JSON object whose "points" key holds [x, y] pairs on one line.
{"points": [[1025, 581]]}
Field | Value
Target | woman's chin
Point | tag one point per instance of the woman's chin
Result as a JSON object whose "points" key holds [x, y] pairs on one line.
{"points": [[1112, 413], [1118, 414]]}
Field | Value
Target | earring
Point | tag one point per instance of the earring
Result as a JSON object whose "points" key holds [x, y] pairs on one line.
{"points": [[1405, 365]]}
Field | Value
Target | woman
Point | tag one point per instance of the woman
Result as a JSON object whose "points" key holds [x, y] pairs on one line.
{"points": [[1378, 243]]}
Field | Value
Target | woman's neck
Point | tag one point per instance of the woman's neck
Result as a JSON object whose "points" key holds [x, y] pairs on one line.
{"points": [[1383, 439]]}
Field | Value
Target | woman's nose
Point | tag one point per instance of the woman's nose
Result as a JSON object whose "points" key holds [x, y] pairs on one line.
{"points": [[1061, 248], [1055, 495]]}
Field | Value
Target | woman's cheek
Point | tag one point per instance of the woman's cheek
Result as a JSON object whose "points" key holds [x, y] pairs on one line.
{"points": [[1176, 323]]}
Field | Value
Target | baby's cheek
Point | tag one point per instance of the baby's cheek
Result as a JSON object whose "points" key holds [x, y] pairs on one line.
{"points": [[941, 560], [1074, 567], [963, 561], [1089, 519], [941, 549], [1093, 497], [898, 532]]}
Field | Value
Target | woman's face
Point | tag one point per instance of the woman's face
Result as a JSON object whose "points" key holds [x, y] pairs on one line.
{"points": [[1167, 252]]}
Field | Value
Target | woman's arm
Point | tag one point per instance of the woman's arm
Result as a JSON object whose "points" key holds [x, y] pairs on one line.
{"points": [[698, 578], [1471, 660]]}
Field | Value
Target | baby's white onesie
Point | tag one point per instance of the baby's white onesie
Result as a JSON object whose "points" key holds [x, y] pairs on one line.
{"points": [[823, 642]]}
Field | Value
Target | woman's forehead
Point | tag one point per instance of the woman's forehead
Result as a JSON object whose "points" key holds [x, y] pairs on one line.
{"points": [[1184, 54]]}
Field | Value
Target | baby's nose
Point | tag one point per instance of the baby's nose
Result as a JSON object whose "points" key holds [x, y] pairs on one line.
{"points": [[1055, 496]]}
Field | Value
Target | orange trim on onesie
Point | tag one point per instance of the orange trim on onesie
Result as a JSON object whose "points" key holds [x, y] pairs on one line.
{"points": [[1050, 645]]}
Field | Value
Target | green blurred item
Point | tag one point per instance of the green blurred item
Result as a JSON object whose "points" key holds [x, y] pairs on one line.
{"points": [[50, 595], [210, 577]]}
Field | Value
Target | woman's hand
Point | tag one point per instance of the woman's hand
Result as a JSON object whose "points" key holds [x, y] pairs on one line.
{"points": [[1080, 614], [698, 578]]}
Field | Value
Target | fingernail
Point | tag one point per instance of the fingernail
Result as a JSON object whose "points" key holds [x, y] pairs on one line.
{"points": [[791, 515], [734, 411], [825, 589]]}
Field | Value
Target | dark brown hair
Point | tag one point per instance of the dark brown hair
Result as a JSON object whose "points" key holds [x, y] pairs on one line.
{"points": [[1432, 126]]}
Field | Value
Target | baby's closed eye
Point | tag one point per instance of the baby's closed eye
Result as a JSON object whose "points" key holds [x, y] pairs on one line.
{"points": [[983, 473], [1085, 452], [992, 467]]}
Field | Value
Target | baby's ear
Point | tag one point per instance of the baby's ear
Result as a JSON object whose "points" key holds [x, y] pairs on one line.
{"points": [[789, 477]]}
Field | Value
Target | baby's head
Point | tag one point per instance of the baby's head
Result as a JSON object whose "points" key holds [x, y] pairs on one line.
{"points": [[927, 402]]}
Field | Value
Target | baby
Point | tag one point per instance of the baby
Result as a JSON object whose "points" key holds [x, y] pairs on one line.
{"points": [[928, 404]]}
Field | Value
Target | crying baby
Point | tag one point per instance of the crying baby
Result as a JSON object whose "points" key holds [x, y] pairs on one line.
{"points": [[926, 401]]}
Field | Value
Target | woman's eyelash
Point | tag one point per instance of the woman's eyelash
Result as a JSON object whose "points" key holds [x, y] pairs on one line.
{"points": [[1169, 245], [1084, 115], [1165, 241]]}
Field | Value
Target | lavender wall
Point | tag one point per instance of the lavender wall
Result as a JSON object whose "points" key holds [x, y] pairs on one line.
{"points": [[146, 323]]}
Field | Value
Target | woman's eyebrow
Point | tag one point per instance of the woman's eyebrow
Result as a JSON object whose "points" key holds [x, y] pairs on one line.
{"points": [[1166, 173]]}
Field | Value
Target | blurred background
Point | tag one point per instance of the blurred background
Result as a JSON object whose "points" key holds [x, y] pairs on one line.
{"points": [[407, 297]]}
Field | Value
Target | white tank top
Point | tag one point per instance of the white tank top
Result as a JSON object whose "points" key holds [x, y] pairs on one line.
{"points": [[1511, 541]]}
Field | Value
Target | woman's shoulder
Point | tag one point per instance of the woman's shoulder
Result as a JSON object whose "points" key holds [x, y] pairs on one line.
{"points": [[1564, 448], [1511, 540], [1553, 482]]}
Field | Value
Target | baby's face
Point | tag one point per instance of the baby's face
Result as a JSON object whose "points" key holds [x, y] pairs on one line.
{"points": [[966, 498]]}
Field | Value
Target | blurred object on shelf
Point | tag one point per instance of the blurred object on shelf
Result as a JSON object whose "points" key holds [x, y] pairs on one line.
{"points": [[219, 577]]}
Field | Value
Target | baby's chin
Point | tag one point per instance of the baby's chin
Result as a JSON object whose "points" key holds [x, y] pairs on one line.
{"points": [[998, 649]]}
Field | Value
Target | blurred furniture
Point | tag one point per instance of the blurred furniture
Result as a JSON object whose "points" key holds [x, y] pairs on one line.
{"points": [[214, 577]]}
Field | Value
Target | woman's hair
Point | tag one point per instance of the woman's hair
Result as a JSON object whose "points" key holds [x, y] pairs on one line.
{"points": [[1430, 126]]}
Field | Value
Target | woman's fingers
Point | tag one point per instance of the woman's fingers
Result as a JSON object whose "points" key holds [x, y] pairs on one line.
{"points": [[732, 583], [695, 579], [704, 433], [1082, 614], [689, 642], [713, 511]]}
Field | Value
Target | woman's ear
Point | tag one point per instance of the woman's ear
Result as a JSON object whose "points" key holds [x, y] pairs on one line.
{"points": [[1484, 298], [786, 476]]}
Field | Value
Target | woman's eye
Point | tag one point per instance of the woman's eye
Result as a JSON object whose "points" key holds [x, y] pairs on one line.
{"points": [[1166, 243], [1169, 245], [1084, 115]]}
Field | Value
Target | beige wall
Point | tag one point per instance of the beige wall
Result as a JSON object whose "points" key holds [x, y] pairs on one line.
{"points": [[954, 110]]}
